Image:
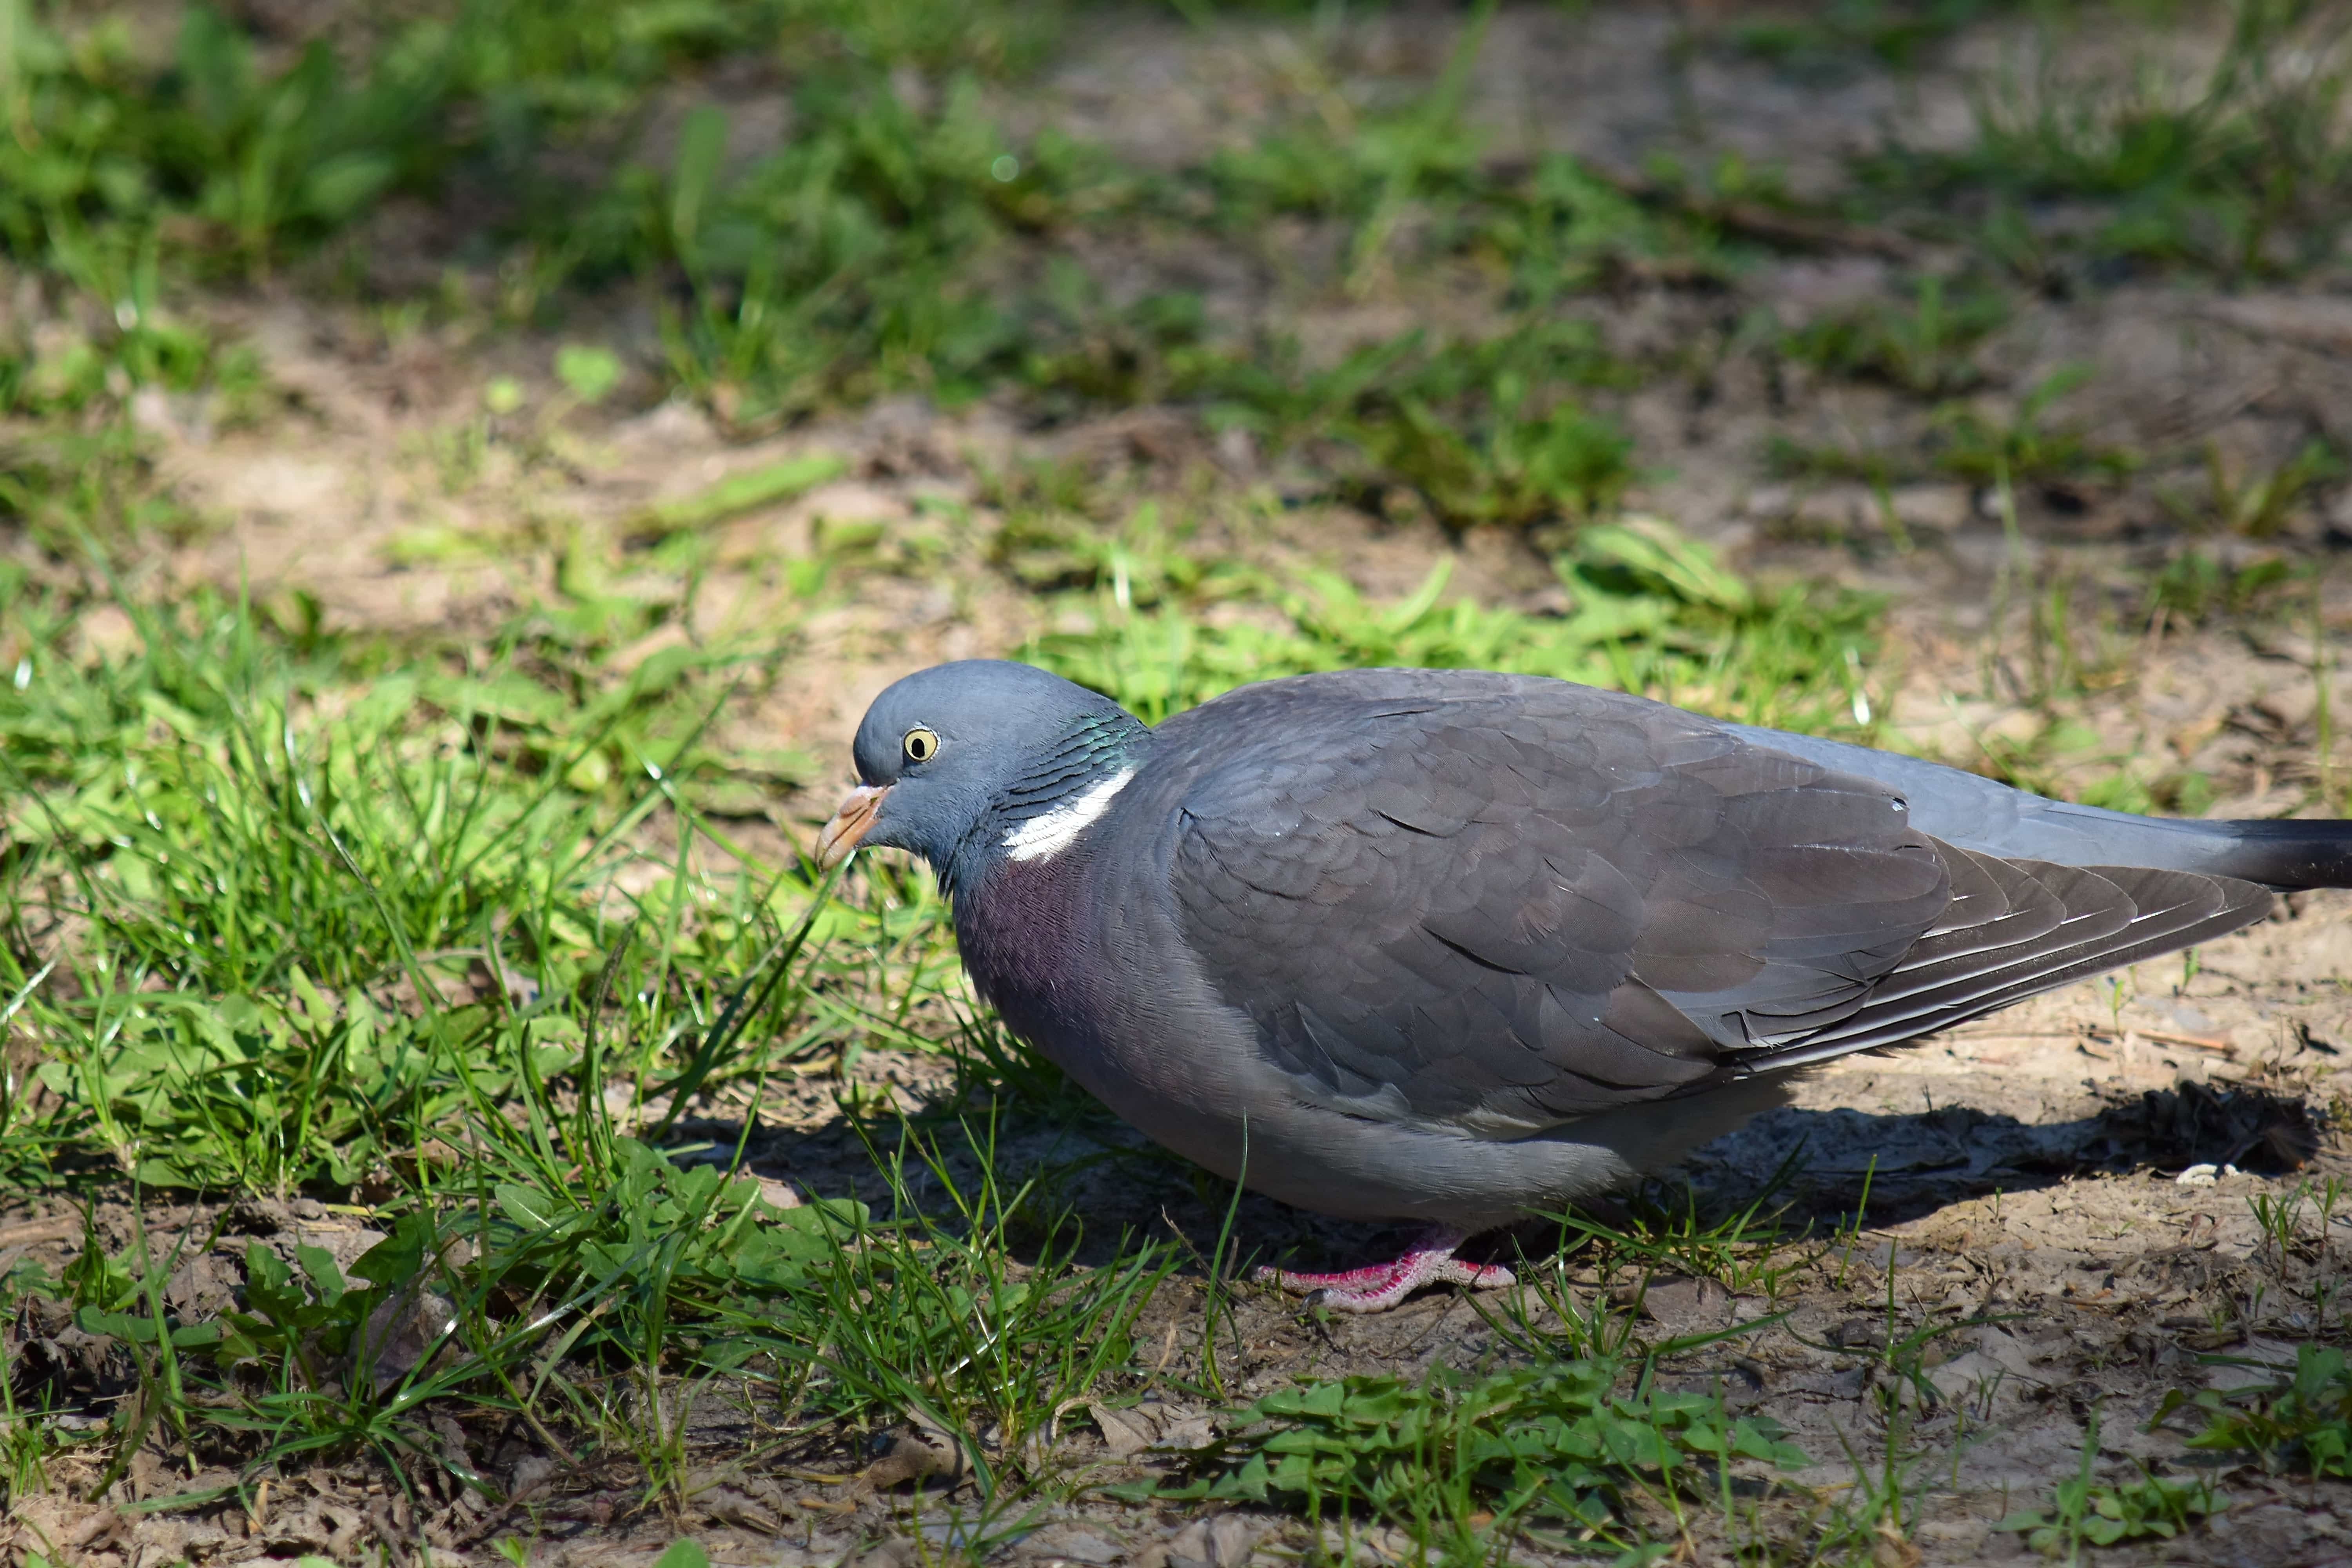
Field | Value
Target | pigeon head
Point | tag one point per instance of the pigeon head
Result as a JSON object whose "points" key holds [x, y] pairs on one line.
{"points": [[955, 761]]}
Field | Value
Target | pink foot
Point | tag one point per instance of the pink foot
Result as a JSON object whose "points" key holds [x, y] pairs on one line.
{"points": [[1429, 1260]]}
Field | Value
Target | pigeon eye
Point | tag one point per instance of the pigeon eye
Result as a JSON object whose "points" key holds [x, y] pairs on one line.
{"points": [[922, 744]]}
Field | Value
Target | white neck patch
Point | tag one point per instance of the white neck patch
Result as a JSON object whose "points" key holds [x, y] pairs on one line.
{"points": [[1042, 837]]}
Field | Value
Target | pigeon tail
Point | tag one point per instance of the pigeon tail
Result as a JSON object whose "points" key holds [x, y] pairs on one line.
{"points": [[2287, 856], [1980, 814]]}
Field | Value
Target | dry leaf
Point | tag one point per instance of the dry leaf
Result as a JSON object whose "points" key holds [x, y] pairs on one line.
{"points": [[1126, 1433], [914, 1455], [400, 1333], [748, 1502], [1188, 1431], [1222, 1541]]}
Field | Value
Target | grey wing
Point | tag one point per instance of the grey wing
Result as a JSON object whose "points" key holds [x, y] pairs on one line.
{"points": [[1503, 914], [1499, 911], [2018, 928]]}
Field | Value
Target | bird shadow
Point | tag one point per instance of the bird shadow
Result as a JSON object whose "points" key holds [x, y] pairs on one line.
{"points": [[1891, 1168], [1088, 1187]]}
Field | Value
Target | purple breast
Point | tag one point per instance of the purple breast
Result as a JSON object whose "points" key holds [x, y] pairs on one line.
{"points": [[1020, 931]]}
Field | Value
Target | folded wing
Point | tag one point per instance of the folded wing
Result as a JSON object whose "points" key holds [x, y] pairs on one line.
{"points": [[1497, 905]]}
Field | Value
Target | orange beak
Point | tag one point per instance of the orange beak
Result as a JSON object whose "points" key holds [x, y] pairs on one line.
{"points": [[842, 834]]}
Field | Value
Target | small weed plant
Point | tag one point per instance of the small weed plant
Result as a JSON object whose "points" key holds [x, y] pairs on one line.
{"points": [[1461, 1463], [2085, 1511], [2300, 1424]]}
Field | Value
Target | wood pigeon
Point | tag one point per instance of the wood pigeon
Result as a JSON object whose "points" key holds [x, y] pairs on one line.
{"points": [[1455, 947]]}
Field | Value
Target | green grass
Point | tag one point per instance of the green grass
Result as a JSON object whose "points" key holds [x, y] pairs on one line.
{"points": [[1466, 1466], [1922, 348], [647, 1282], [273, 849], [1564, 1438], [833, 270], [2084, 1511], [2254, 504], [904, 239], [2240, 173], [2300, 1422], [1651, 612], [1840, 36], [2193, 588], [1965, 440], [286, 916], [900, 241]]}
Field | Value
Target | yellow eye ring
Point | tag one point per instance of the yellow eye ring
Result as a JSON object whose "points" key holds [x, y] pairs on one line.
{"points": [[920, 744]]}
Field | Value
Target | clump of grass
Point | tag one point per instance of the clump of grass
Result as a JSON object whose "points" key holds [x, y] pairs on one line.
{"points": [[1081, 352], [2027, 444], [1922, 348], [1148, 559], [2301, 1423], [971, 1312], [864, 255], [130, 174], [1487, 430], [843, 266], [886, 245], [645, 1277], [1566, 227], [2242, 174], [214, 155], [1984, 441], [1519, 459], [238, 158], [2192, 587], [1665, 1232], [1836, 37], [1366, 168], [2084, 1512], [1461, 1464], [835, 268], [72, 469], [289, 907], [278, 921], [1652, 612], [311, 1362], [2255, 503]]}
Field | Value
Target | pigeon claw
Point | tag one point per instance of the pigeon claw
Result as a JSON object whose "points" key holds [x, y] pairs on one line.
{"points": [[1428, 1261]]}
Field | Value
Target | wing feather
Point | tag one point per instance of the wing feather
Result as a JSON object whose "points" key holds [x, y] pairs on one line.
{"points": [[1496, 912], [1496, 903]]}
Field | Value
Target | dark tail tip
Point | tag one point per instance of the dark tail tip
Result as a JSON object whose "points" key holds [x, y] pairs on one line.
{"points": [[2288, 855]]}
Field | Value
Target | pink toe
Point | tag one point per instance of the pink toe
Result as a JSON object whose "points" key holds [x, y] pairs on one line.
{"points": [[1377, 1289]]}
